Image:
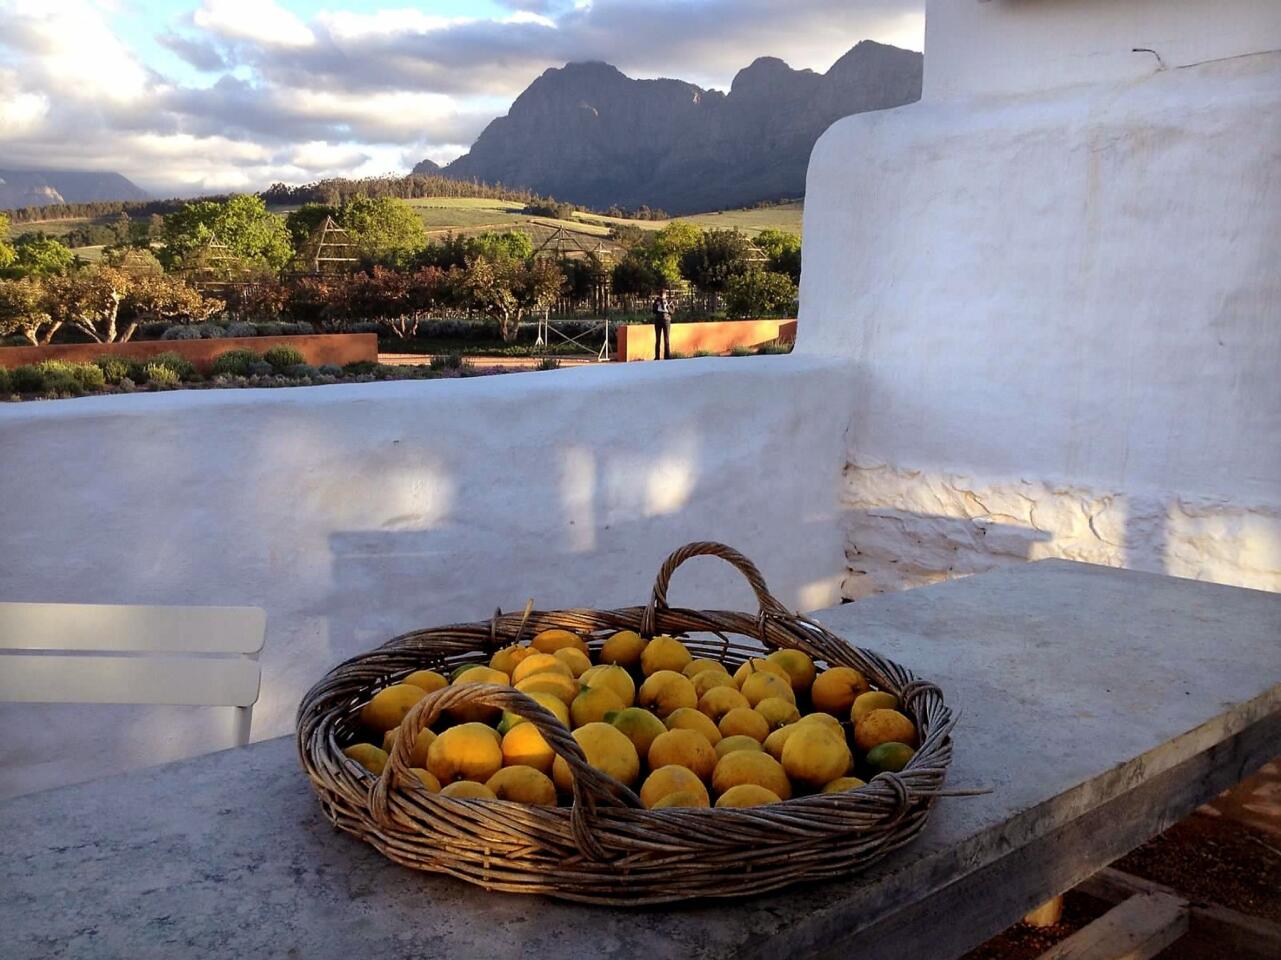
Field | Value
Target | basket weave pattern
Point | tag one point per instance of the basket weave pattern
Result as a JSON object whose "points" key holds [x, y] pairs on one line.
{"points": [[605, 848]]}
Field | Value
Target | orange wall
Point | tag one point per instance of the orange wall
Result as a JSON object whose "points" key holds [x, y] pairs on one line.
{"points": [[318, 349], [636, 341]]}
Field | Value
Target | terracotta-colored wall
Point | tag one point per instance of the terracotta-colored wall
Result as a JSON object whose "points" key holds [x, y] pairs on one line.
{"points": [[318, 349], [636, 341]]}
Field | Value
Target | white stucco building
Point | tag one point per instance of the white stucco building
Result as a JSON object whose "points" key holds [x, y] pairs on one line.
{"points": [[1059, 278], [1040, 316]]}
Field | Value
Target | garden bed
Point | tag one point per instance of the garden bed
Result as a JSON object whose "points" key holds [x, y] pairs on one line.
{"points": [[338, 349]]}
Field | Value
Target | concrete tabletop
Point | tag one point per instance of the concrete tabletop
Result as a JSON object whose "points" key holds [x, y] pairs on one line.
{"points": [[1098, 705]]}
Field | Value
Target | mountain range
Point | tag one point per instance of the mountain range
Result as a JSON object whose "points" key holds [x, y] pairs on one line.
{"points": [[588, 134], [39, 188]]}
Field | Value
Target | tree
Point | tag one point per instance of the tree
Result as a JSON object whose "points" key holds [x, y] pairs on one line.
{"points": [[6, 248], [758, 292], [242, 223], [783, 250], [24, 310], [302, 223], [386, 231], [718, 255], [507, 245], [664, 249], [38, 255], [508, 289], [108, 305], [636, 277]]}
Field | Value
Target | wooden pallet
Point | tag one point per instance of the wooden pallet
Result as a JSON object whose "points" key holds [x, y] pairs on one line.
{"points": [[1147, 917]]}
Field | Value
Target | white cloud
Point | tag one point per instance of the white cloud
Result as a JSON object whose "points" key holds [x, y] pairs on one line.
{"points": [[260, 21]]}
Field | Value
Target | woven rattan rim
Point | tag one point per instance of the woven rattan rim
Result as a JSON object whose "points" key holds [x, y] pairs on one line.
{"points": [[605, 848]]}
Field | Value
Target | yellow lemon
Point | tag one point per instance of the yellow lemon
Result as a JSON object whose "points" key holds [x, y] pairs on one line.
{"points": [[683, 798], [687, 718], [426, 779], [607, 750], [613, 677], [470, 751], [778, 712], [750, 766], [814, 756], [865, 703], [523, 784], [891, 756], [719, 701], [759, 665], [557, 684], [737, 742], [747, 795], [664, 653], [834, 690], [883, 726], [592, 704], [763, 684], [665, 691], [389, 705], [672, 779], [710, 680], [540, 663], [825, 720], [623, 648], [695, 667], [427, 680], [467, 790], [639, 726], [548, 701], [418, 755], [841, 784], [478, 712], [685, 748], [461, 669], [549, 641], [799, 668], [773, 744], [575, 659], [368, 756], [524, 746], [744, 722], [508, 658]]}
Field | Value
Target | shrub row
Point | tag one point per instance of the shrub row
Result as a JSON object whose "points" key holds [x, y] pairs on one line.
{"points": [[214, 331]]}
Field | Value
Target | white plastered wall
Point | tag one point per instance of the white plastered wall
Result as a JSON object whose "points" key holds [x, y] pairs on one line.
{"points": [[1059, 278]]}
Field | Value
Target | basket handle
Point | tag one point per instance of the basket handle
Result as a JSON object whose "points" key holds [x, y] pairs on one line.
{"points": [[592, 787], [707, 548]]}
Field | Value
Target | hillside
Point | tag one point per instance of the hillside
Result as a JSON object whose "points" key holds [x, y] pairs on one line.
{"points": [[591, 135], [39, 188]]}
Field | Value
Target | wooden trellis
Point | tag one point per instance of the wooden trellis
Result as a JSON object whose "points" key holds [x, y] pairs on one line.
{"points": [[328, 251]]}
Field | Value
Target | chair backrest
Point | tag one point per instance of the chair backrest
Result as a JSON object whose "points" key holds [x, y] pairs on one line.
{"points": [[106, 653]]}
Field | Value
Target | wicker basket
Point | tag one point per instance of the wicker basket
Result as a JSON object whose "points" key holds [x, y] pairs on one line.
{"points": [[605, 848]]}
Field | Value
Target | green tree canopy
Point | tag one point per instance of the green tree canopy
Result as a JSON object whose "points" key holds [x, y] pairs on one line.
{"points": [[242, 223], [636, 276], [759, 292], [6, 248], [386, 231], [302, 223], [784, 252], [38, 255], [664, 249], [718, 255], [507, 245]]}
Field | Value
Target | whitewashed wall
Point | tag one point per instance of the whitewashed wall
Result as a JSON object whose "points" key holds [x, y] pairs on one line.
{"points": [[1058, 278], [355, 513]]}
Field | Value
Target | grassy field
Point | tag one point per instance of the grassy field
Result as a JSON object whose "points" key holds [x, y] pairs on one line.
{"points": [[466, 215]]}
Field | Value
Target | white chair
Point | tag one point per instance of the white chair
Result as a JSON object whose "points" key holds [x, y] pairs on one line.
{"points": [[107, 653]]}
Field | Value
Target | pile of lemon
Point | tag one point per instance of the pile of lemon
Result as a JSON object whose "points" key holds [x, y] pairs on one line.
{"points": [[681, 729]]}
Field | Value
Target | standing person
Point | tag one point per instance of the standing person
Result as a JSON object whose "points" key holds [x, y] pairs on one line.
{"points": [[663, 325]]}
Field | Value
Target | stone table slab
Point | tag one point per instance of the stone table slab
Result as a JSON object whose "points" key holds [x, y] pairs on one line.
{"points": [[1097, 705]]}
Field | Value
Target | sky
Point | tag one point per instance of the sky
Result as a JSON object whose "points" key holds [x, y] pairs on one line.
{"points": [[197, 96]]}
